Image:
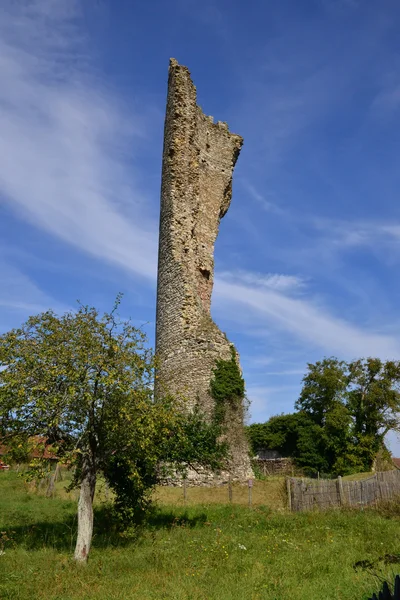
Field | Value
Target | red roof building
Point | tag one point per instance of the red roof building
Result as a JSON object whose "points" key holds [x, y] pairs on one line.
{"points": [[39, 448]]}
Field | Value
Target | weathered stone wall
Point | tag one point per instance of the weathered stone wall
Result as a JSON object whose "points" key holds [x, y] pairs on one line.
{"points": [[198, 161]]}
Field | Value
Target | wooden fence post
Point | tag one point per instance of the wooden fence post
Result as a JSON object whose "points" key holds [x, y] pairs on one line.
{"points": [[184, 490], [230, 488], [289, 494], [342, 499]]}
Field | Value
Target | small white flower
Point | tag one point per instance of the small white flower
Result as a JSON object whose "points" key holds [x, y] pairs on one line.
{"points": [[2, 552], [242, 547]]}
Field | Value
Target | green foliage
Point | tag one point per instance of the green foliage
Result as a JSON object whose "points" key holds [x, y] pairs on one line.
{"points": [[192, 552], [374, 397], [323, 389], [294, 435], [227, 386], [356, 403], [310, 453], [18, 449], [279, 433], [174, 440], [84, 382], [344, 412]]}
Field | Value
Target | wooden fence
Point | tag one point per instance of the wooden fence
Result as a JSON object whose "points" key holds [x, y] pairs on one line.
{"points": [[308, 494], [274, 466]]}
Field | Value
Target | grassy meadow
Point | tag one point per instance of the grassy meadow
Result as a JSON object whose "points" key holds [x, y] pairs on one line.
{"points": [[204, 550]]}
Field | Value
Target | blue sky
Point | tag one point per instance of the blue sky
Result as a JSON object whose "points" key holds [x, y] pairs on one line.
{"points": [[308, 256]]}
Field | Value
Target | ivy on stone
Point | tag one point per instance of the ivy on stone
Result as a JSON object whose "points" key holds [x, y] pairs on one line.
{"points": [[227, 386]]}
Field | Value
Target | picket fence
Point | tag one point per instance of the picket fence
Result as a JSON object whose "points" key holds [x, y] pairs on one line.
{"points": [[308, 494]]}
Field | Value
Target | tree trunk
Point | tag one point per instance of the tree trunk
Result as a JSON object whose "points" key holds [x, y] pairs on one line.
{"points": [[85, 509], [52, 482]]}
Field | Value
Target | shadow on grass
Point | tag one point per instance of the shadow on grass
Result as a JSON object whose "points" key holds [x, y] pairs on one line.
{"points": [[159, 519], [61, 535]]}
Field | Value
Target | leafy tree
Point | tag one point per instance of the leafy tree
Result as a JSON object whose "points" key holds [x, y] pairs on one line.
{"points": [[279, 433], [295, 435], [344, 412], [339, 443], [324, 387], [356, 404], [310, 453], [374, 402], [374, 398], [84, 382]]}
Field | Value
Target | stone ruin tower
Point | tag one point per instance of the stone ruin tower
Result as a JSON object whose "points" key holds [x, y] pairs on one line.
{"points": [[198, 161]]}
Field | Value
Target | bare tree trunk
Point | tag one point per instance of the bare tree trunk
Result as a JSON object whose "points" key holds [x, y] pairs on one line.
{"points": [[85, 509]]}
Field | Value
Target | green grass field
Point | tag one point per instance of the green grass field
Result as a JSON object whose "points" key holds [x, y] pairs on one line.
{"points": [[201, 551]]}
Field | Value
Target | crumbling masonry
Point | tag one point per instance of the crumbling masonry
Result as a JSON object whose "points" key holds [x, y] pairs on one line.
{"points": [[198, 161]]}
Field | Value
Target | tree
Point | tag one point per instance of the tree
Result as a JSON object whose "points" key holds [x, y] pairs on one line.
{"points": [[374, 402], [356, 404], [344, 412], [310, 453], [338, 447], [295, 435], [324, 387], [84, 382], [279, 433]]}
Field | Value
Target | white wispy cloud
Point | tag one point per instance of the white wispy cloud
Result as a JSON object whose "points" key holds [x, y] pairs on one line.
{"points": [[265, 203], [66, 142], [20, 294], [304, 319], [340, 235], [392, 230], [274, 281]]}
